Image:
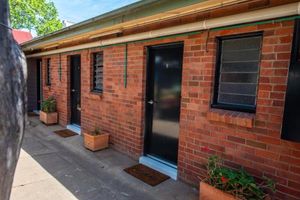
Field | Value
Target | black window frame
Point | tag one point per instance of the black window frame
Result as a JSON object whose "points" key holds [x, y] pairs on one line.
{"points": [[48, 72], [215, 103], [93, 72]]}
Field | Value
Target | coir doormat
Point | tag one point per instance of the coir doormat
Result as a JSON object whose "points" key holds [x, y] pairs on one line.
{"points": [[146, 174], [32, 114], [65, 133]]}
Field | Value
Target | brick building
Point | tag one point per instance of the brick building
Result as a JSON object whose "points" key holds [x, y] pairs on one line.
{"points": [[170, 79]]}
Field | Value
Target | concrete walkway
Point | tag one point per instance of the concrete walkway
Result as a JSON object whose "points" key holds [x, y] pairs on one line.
{"points": [[52, 167]]}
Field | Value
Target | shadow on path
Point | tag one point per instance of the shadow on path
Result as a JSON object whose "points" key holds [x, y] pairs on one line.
{"points": [[93, 176]]}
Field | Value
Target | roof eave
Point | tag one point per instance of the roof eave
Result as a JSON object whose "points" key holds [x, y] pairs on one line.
{"points": [[130, 12]]}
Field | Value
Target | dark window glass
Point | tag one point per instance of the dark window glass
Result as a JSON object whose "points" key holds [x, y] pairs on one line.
{"points": [[237, 72], [48, 73], [98, 72]]}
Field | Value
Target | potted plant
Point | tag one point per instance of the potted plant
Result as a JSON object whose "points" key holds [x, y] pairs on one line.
{"points": [[96, 140], [48, 113], [228, 184]]}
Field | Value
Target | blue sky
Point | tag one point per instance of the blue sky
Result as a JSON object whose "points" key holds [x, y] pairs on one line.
{"points": [[79, 10]]}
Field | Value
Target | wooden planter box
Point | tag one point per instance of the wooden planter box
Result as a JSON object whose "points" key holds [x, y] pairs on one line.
{"points": [[208, 192], [96, 142], [49, 118]]}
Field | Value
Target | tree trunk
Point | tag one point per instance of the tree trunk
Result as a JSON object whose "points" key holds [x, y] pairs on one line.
{"points": [[13, 74]]}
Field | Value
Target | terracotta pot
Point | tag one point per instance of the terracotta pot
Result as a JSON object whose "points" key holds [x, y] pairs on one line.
{"points": [[49, 118], [208, 192], [96, 142]]}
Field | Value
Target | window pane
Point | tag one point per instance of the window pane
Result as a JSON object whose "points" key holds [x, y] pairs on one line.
{"points": [[48, 78], [239, 77], [248, 89], [240, 67], [242, 43], [239, 61], [236, 99], [98, 71], [246, 55]]}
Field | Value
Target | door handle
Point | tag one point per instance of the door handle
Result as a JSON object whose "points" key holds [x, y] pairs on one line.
{"points": [[152, 102], [73, 90]]}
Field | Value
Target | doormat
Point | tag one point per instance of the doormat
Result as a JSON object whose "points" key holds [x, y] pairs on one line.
{"points": [[146, 174], [65, 133], [32, 114]]}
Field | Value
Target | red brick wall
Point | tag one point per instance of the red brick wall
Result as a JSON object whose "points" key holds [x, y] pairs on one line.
{"points": [[59, 88], [249, 140], [117, 110], [259, 149]]}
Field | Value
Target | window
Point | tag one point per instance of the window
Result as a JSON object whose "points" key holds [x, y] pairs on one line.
{"points": [[237, 72], [97, 72], [48, 73]]}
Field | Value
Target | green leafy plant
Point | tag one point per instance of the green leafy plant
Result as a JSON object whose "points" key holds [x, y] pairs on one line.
{"points": [[236, 182], [49, 105], [97, 131]]}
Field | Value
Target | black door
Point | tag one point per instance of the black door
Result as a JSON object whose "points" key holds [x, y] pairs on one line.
{"points": [[291, 120], [75, 89], [38, 83], [163, 101]]}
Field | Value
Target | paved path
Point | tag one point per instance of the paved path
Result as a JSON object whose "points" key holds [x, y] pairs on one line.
{"points": [[32, 181], [55, 168]]}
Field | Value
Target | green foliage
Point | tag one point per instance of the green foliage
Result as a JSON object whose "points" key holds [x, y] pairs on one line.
{"points": [[97, 131], [49, 105], [237, 183], [38, 15]]}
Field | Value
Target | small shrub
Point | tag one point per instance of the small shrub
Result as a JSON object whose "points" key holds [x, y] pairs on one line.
{"points": [[97, 131], [49, 105], [236, 182]]}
